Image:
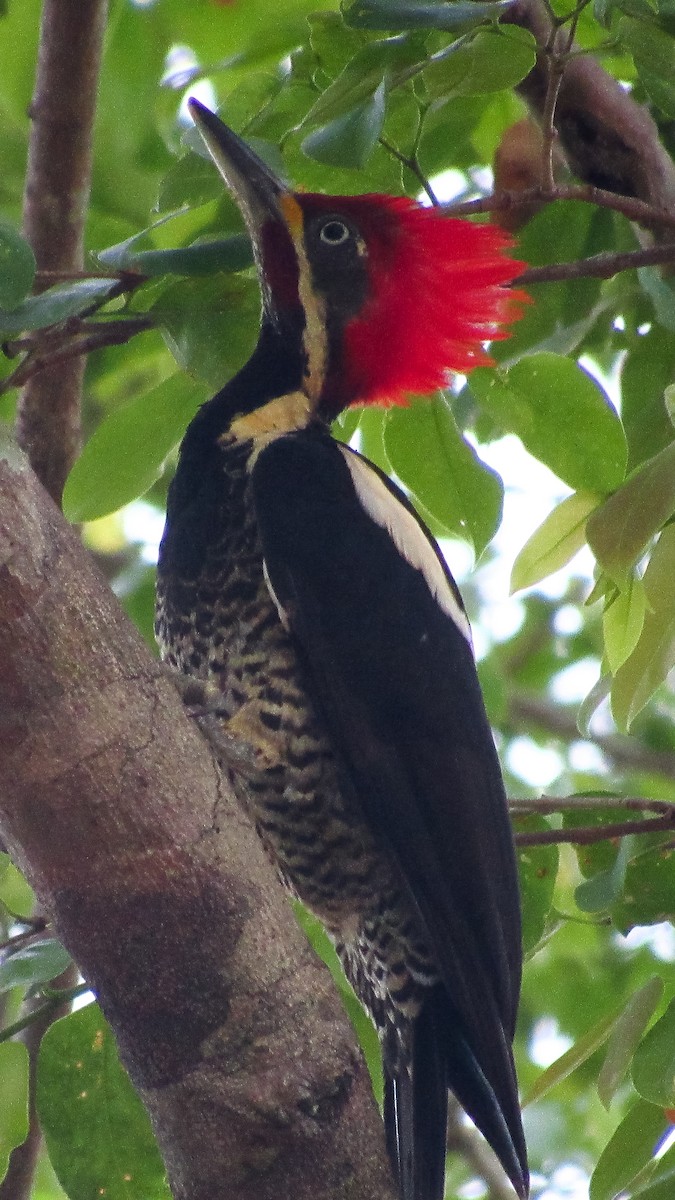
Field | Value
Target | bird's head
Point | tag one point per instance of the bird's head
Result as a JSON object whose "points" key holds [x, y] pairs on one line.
{"points": [[388, 297]]}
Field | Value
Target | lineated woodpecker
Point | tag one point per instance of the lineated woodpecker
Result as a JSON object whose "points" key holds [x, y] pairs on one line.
{"points": [[298, 579]]}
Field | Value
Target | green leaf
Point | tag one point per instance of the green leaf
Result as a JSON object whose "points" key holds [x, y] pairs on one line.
{"points": [[669, 399], [17, 266], [203, 258], [365, 1030], [371, 427], [36, 963], [649, 894], [490, 61], [622, 622], [601, 891], [620, 530], [332, 42], [654, 655], [390, 60], [625, 1037], [653, 51], [648, 368], [563, 316], [661, 293], [14, 1115], [191, 180], [121, 254], [538, 868], [210, 325], [98, 1134], [555, 542], [344, 427], [591, 702], [428, 453], [571, 1059], [562, 417], [596, 856], [126, 454], [629, 1149], [661, 1182], [348, 141], [411, 14], [55, 305], [654, 1063]]}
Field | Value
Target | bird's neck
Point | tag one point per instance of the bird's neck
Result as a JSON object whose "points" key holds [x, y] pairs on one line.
{"points": [[275, 369]]}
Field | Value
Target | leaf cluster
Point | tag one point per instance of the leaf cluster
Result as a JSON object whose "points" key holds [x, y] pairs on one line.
{"points": [[389, 95]]}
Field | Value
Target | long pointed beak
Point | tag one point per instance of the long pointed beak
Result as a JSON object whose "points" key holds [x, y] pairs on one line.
{"points": [[255, 189]]}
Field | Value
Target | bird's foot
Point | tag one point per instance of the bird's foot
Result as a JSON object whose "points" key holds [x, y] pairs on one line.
{"points": [[240, 742], [247, 758], [246, 745], [201, 697]]}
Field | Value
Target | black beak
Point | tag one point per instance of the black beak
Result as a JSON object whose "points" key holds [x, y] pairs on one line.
{"points": [[255, 189]]}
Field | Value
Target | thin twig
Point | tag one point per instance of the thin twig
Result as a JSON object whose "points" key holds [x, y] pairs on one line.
{"points": [[129, 279], [18, 939], [607, 136], [18, 1182], [552, 804], [412, 164], [586, 835], [528, 711], [90, 337], [633, 209], [600, 266], [50, 1006], [556, 71], [558, 60]]}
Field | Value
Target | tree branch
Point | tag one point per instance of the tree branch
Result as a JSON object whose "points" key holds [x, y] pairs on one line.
{"points": [[526, 711], [610, 141], [633, 209], [465, 1140], [600, 266], [586, 835], [551, 804], [158, 886], [55, 208], [46, 353]]}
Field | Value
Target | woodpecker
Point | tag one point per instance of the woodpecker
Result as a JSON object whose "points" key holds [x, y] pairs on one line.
{"points": [[297, 580]]}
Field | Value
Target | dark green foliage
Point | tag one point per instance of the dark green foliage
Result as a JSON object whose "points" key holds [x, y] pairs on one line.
{"points": [[342, 103]]}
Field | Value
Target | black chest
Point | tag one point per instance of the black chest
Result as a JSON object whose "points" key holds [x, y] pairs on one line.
{"points": [[211, 593]]}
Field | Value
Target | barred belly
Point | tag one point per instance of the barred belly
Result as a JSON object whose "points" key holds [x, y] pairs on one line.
{"points": [[224, 628]]}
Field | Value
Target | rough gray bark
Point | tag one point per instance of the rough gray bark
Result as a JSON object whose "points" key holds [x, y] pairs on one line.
{"points": [[112, 805], [56, 198]]}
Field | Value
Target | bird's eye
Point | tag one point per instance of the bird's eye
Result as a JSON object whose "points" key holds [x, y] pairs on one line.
{"points": [[334, 233]]}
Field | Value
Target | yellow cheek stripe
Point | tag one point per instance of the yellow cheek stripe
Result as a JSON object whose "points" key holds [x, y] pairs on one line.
{"points": [[292, 214], [314, 337]]}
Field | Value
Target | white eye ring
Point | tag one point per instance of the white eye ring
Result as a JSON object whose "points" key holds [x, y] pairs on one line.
{"points": [[334, 232]]}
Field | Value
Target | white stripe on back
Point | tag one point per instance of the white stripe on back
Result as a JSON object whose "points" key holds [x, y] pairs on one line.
{"points": [[406, 534]]}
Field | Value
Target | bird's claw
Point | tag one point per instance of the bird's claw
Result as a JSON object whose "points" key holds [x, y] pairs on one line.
{"points": [[201, 697], [239, 742], [233, 751]]}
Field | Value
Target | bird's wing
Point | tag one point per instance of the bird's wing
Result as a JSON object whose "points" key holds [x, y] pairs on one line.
{"points": [[385, 643]]}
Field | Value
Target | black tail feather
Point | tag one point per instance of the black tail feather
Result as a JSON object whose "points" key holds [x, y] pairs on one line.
{"points": [[416, 1114], [399, 1131], [502, 1129], [416, 1107]]}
